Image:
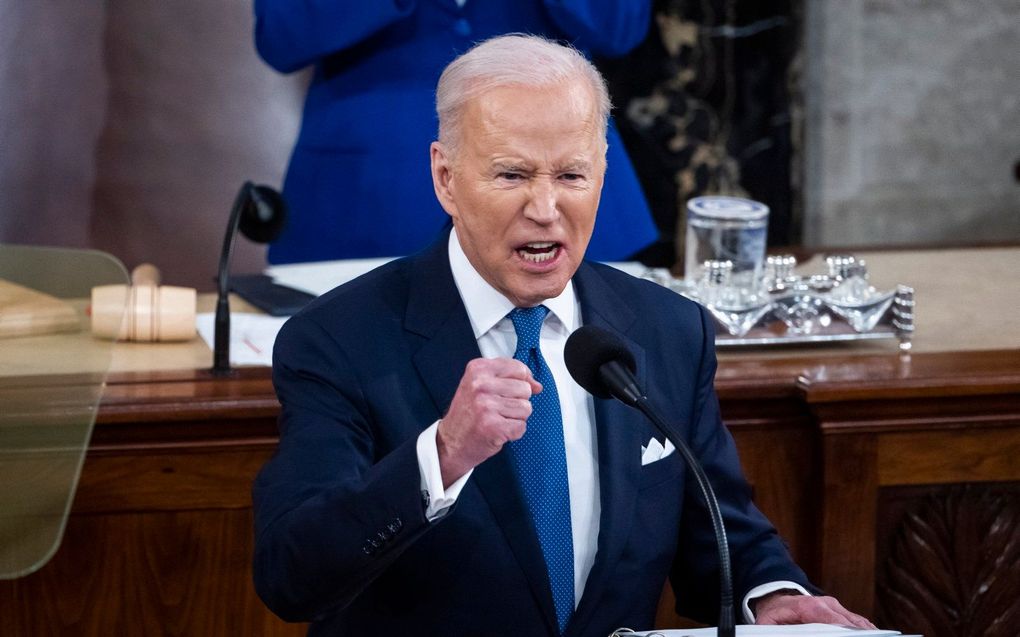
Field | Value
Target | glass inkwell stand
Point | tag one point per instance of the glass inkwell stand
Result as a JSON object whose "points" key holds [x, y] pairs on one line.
{"points": [[759, 300]]}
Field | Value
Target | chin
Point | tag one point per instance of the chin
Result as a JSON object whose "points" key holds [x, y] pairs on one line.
{"points": [[536, 294]]}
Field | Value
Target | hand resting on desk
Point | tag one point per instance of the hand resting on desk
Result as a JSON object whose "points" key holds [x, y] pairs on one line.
{"points": [[786, 607]]}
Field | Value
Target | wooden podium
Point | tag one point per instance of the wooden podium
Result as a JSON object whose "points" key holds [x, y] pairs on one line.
{"points": [[894, 479]]}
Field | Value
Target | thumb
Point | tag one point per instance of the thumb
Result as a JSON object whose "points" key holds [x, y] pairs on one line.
{"points": [[536, 387]]}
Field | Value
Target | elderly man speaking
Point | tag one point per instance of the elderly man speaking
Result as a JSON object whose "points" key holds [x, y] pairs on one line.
{"points": [[439, 472]]}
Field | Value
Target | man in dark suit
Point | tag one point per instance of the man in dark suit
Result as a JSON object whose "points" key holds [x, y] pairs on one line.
{"points": [[439, 473]]}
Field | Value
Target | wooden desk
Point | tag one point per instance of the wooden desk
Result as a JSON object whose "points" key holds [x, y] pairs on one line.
{"points": [[893, 478]]}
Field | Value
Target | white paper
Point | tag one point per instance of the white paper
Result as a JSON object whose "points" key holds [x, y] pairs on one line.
{"points": [[322, 276], [802, 630], [251, 336]]}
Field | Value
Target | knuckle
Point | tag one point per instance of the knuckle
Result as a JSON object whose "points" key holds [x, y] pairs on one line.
{"points": [[524, 389], [476, 384], [515, 429], [487, 419], [489, 403]]}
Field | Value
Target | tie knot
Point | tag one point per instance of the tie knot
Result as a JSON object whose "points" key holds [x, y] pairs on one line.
{"points": [[528, 324]]}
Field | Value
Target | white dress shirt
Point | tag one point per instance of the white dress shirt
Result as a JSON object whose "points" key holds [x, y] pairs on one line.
{"points": [[487, 310]]}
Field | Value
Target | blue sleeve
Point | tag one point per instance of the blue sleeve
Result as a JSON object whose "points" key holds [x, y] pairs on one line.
{"points": [[332, 509], [757, 553], [603, 27], [290, 35]]}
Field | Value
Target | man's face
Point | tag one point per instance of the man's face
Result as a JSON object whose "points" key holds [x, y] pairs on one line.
{"points": [[524, 186]]}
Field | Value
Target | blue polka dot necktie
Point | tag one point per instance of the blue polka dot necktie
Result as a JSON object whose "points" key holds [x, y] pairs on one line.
{"points": [[540, 460]]}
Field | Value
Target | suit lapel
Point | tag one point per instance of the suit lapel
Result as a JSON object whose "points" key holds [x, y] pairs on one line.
{"points": [[619, 432], [436, 312]]}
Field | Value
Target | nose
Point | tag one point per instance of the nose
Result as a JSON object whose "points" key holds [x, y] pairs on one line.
{"points": [[543, 205]]}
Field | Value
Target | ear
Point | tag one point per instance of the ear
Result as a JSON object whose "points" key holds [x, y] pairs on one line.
{"points": [[442, 177]]}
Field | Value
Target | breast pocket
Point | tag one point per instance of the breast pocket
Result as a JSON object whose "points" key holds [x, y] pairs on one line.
{"points": [[661, 471]]}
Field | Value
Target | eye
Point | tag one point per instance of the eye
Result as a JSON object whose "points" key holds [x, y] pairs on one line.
{"points": [[510, 176], [572, 177]]}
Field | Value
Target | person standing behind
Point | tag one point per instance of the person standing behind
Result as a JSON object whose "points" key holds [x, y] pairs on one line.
{"points": [[358, 182]]}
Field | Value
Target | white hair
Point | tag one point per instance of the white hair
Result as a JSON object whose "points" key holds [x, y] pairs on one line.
{"points": [[508, 60]]}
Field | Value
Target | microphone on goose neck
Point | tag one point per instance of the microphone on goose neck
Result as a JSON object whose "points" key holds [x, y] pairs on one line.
{"points": [[600, 362], [259, 212]]}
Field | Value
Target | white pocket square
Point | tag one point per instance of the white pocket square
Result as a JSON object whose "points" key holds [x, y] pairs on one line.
{"points": [[655, 451]]}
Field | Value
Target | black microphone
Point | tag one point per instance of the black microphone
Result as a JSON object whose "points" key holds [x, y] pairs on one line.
{"points": [[259, 211], [601, 363]]}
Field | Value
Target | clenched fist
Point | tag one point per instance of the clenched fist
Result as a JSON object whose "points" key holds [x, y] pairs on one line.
{"points": [[491, 407]]}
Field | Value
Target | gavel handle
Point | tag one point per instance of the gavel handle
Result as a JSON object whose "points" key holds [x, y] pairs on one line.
{"points": [[145, 274]]}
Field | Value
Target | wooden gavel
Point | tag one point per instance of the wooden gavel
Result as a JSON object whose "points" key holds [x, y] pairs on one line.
{"points": [[144, 311]]}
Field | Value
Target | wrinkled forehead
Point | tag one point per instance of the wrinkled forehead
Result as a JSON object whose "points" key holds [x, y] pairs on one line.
{"points": [[564, 111], [573, 93]]}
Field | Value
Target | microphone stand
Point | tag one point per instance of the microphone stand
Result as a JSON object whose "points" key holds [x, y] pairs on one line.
{"points": [[617, 376], [727, 626], [221, 338]]}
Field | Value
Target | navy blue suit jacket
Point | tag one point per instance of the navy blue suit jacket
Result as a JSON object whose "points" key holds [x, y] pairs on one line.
{"points": [[341, 537]]}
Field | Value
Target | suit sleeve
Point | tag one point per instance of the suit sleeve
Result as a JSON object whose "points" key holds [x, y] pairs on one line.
{"points": [[332, 510], [605, 27], [291, 35], [757, 553]]}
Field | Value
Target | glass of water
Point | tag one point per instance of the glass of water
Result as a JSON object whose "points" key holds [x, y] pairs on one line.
{"points": [[727, 229]]}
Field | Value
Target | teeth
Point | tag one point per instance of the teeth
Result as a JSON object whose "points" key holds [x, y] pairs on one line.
{"points": [[538, 257]]}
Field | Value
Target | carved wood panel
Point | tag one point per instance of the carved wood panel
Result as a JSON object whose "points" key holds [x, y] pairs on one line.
{"points": [[949, 560]]}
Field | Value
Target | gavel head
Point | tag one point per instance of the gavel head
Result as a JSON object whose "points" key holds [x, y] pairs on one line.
{"points": [[143, 311]]}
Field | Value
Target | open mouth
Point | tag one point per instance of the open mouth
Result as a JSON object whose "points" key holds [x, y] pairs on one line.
{"points": [[538, 251]]}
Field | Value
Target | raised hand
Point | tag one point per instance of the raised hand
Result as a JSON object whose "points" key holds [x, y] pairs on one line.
{"points": [[489, 409]]}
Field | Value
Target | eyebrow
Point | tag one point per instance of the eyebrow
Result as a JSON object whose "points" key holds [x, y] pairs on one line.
{"points": [[579, 165], [510, 166]]}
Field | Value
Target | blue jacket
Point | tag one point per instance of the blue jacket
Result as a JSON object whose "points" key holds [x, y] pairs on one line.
{"points": [[341, 538], [359, 184]]}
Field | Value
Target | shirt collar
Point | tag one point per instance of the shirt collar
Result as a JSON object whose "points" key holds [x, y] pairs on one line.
{"points": [[486, 307]]}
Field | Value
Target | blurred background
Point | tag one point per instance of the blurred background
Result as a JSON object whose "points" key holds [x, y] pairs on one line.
{"points": [[129, 125]]}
